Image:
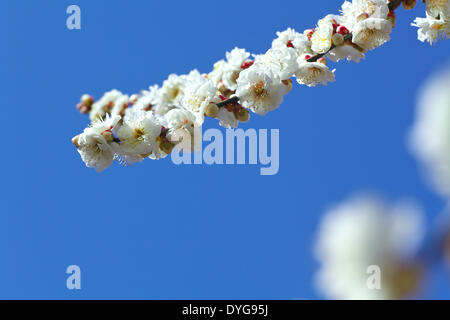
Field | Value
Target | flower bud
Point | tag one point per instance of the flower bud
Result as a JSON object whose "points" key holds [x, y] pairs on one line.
{"points": [[247, 64], [75, 141], [342, 30], [87, 99], [338, 39], [392, 18], [212, 110], [85, 104], [409, 4], [242, 115]]}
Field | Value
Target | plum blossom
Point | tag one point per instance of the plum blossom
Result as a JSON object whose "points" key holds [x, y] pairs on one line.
{"points": [[321, 38], [96, 144], [281, 61], [260, 90], [137, 135], [292, 39], [313, 73], [432, 29], [183, 130]]}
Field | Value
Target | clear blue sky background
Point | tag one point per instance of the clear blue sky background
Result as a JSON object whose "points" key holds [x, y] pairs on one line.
{"points": [[158, 231]]}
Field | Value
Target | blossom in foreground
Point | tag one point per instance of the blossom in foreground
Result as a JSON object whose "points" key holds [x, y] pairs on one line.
{"points": [[259, 90], [227, 72], [313, 73], [281, 61], [363, 233], [183, 131], [430, 135], [367, 20], [96, 144], [348, 52], [321, 38], [198, 95], [138, 136], [372, 33]]}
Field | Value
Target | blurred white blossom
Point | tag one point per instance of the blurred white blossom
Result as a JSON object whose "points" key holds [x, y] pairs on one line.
{"points": [[364, 232], [430, 135]]}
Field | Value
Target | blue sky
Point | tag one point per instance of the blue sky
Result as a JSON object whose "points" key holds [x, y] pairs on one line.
{"points": [[160, 231]]}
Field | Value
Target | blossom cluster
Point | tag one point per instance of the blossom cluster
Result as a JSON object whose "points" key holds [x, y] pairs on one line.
{"points": [[152, 123]]}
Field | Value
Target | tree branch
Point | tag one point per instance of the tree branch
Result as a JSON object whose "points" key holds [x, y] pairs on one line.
{"points": [[394, 4]]}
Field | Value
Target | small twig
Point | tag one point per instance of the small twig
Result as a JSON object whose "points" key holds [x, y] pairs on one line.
{"points": [[228, 101]]}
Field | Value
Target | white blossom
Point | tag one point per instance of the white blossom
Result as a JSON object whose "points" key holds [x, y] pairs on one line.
{"points": [[183, 130], [172, 90], [138, 135], [293, 39], [321, 38], [217, 74], [364, 232], [281, 61], [227, 119], [120, 105], [260, 90], [95, 144], [233, 67], [430, 135], [372, 33], [358, 10], [197, 96], [438, 9], [151, 100], [345, 52], [313, 73], [367, 20], [431, 29], [104, 106]]}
